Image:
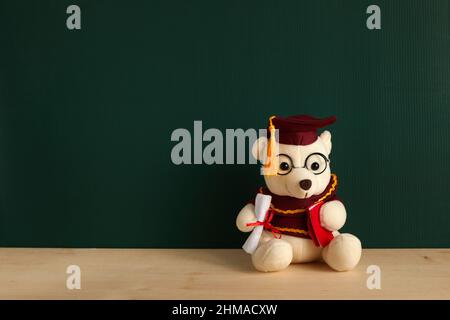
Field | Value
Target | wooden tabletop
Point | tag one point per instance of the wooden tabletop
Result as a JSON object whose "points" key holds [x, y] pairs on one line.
{"points": [[215, 274]]}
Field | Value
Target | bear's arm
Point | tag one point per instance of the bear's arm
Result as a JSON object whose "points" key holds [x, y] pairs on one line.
{"points": [[246, 215], [333, 215]]}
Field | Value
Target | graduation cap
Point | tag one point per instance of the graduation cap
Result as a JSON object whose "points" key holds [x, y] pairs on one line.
{"points": [[297, 130]]}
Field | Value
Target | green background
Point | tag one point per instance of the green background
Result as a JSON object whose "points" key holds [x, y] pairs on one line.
{"points": [[86, 116]]}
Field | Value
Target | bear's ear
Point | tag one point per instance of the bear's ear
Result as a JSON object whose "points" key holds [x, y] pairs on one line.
{"points": [[259, 148], [326, 139]]}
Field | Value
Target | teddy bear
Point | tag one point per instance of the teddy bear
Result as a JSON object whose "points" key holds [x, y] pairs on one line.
{"points": [[299, 180]]}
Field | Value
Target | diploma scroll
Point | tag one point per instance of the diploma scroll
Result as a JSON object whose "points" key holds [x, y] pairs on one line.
{"points": [[262, 204]]}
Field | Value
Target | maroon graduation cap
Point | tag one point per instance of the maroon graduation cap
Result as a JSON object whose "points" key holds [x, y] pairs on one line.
{"points": [[298, 130]]}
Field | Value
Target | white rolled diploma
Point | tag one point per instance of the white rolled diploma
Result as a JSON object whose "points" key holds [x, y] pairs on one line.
{"points": [[262, 204]]}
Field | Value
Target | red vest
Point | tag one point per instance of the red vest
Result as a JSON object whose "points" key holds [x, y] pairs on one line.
{"points": [[291, 216]]}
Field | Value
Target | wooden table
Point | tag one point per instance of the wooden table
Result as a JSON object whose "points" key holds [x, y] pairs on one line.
{"points": [[215, 274]]}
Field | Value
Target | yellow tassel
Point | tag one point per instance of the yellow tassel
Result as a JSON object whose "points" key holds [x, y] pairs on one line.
{"points": [[271, 165]]}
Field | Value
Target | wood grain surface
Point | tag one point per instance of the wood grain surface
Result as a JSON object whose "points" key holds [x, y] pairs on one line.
{"points": [[215, 274]]}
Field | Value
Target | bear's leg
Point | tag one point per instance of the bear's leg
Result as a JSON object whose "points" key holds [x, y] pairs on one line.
{"points": [[303, 250], [343, 252], [272, 255]]}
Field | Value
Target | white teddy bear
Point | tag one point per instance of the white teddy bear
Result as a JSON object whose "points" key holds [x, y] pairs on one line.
{"points": [[299, 178]]}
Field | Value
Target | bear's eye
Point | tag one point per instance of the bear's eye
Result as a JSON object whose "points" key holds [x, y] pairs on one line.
{"points": [[315, 166], [284, 166], [316, 162]]}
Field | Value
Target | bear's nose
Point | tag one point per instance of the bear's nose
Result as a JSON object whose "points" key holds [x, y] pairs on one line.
{"points": [[305, 184]]}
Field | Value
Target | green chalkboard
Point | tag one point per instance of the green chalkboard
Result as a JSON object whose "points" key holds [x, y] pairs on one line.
{"points": [[86, 115]]}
